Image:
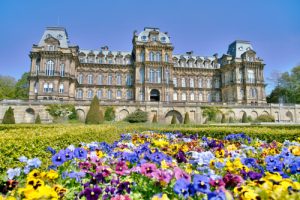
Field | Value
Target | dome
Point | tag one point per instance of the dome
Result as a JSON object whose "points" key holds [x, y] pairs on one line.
{"points": [[144, 36]]}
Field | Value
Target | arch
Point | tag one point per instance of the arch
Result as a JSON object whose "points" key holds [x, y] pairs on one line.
{"points": [[123, 114], [254, 114], [289, 116], [170, 114], [29, 115], [241, 114], [265, 113], [154, 95], [231, 114], [277, 117], [80, 114]]}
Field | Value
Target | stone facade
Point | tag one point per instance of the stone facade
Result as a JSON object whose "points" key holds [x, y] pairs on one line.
{"points": [[150, 72]]}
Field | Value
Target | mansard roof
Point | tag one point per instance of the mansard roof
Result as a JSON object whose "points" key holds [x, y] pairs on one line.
{"points": [[107, 52], [144, 35], [58, 33]]}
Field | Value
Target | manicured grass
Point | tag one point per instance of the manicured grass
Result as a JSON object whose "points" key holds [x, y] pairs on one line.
{"points": [[32, 140]]}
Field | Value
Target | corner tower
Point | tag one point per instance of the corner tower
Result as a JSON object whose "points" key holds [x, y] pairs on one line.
{"points": [[52, 71], [242, 74]]}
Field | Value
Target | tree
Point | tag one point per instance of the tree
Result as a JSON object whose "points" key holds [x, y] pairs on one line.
{"points": [[244, 118], [22, 87], [210, 113], [154, 120], [38, 119], [94, 115], [186, 118], [109, 114], [137, 117], [174, 120], [231, 120], [9, 117], [7, 87]]}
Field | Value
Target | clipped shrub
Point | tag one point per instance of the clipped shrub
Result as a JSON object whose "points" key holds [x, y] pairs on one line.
{"points": [[73, 114], [244, 118], [265, 118], [174, 120], [94, 115], [249, 119], [223, 120], [137, 117], [38, 119], [9, 117], [154, 120], [109, 114], [186, 118], [62, 112], [210, 113], [231, 120]]}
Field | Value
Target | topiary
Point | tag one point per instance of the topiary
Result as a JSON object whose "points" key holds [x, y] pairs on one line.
{"points": [[244, 118], [109, 114], [9, 117], [154, 120], [231, 120], [38, 119], [186, 118], [137, 117], [94, 115], [223, 120], [174, 120]]}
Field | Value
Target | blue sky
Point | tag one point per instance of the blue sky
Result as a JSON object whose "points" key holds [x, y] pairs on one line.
{"points": [[206, 27]]}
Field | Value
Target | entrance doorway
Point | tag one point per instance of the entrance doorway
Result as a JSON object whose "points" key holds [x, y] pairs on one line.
{"points": [[154, 95]]}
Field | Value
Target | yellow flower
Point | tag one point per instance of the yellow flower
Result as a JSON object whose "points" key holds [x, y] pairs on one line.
{"points": [[42, 192], [273, 176], [188, 168], [295, 150], [34, 174], [235, 166], [231, 147], [220, 153], [35, 183], [184, 148], [164, 164], [163, 197], [160, 143], [52, 174]]}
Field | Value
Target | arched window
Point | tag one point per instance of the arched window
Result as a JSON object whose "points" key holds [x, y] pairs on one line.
{"points": [[90, 94], [183, 84], [80, 79], [129, 94], [209, 99], [208, 83], [242, 93], [36, 87], [241, 77], [119, 94], [200, 96], [175, 96], [183, 96], [155, 75], [142, 56], [175, 81], [166, 57], [217, 83], [99, 94], [167, 75], [90, 79], [62, 69], [119, 79], [79, 94], [50, 68], [192, 83], [142, 94], [191, 63], [253, 92], [142, 75], [158, 57], [46, 86], [192, 97], [109, 94], [128, 80], [109, 79], [200, 83], [151, 56], [61, 88], [100, 79], [218, 97], [251, 76]]}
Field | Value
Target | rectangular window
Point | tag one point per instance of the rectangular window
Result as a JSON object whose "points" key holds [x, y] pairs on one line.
{"points": [[175, 82], [62, 70], [90, 79], [109, 80], [100, 79]]}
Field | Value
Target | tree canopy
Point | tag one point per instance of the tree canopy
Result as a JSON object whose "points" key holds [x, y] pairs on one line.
{"points": [[12, 89], [288, 88]]}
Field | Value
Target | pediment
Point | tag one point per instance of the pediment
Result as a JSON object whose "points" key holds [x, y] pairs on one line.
{"points": [[52, 40]]}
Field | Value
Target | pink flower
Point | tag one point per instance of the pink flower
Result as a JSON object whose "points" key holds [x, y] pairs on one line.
{"points": [[105, 170], [147, 169], [85, 166], [121, 168], [179, 173], [162, 176], [217, 183]]}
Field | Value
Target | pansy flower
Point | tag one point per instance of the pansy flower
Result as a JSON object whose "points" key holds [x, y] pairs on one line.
{"points": [[183, 188], [201, 183], [91, 193]]}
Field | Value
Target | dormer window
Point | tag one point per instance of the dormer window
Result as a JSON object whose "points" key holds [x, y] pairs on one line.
{"points": [[144, 38], [163, 39], [153, 38], [50, 47], [59, 37]]}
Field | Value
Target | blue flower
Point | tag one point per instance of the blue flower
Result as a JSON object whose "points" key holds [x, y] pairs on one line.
{"points": [[58, 159], [183, 188], [276, 166], [295, 166], [11, 173], [34, 163], [23, 159], [131, 157], [216, 195], [157, 157], [51, 150], [26, 169], [201, 183], [68, 154], [76, 175], [80, 153]]}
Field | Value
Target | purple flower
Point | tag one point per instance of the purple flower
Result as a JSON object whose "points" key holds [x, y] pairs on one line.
{"points": [[91, 193], [179, 173], [121, 168], [232, 180], [254, 175], [147, 169], [180, 157], [58, 159], [183, 188], [124, 186], [201, 183], [80, 153], [162, 176]]}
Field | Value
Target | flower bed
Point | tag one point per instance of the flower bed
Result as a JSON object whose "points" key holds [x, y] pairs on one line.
{"points": [[164, 166]]}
